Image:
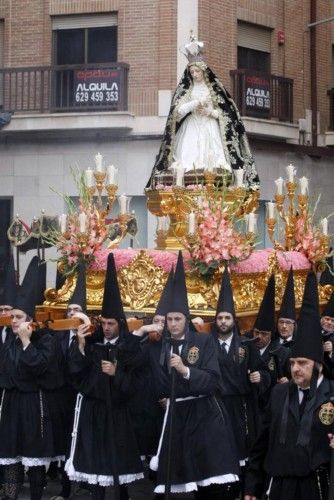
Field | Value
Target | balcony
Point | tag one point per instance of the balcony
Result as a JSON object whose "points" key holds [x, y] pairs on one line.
{"points": [[263, 96], [59, 89]]}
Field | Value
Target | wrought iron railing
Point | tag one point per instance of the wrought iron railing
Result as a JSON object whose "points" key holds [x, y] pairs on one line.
{"points": [[46, 89], [260, 95]]}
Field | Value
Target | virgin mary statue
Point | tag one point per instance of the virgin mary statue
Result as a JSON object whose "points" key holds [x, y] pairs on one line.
{"points": [[204, 129]]}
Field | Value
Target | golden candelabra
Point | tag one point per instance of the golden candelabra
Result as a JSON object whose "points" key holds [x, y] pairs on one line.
{"points": [[293, 210], [177, 202]]}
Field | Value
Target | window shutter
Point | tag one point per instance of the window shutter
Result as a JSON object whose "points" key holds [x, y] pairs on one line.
{"points": [[254, 37], [89, 21], [2, 25]]}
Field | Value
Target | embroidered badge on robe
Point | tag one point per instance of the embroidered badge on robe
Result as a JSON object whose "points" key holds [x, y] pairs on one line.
{"points": [[271, 364], [242, 354], [326, 414], [193, 355]]}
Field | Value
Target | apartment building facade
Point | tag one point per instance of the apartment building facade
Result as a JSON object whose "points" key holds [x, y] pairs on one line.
{"points": [[82, 76]]}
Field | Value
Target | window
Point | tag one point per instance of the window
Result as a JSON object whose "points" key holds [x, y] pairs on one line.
{"points": [[86, 46], [254, 45], [253, 60], [80, 40]]}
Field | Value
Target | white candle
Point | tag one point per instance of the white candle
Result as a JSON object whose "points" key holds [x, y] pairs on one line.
{"points": [[239, 177], [179, 175], [82, 222], [290, 170], [199, 201], [324, 225], [270, 209], [98, 162], [303, 184], [111, 174], [279, 185], [122, 204], [89, 178], [191, 223], [62, 222], [251, 222]]}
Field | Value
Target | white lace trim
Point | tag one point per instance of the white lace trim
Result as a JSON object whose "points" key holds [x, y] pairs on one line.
{"points": [[193, 486], [98, 478], [91, 478], [30, 461]]}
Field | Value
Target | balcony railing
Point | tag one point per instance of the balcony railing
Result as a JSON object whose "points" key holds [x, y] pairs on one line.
{"points": [[263, 96], [46, 89]]}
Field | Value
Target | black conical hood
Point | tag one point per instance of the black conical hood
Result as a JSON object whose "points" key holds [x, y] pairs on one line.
{"points": [[79, 294], [308, 341], [10, 290], [178, 300], [162, 307], [265, 320], [288, 306], [26, 298], [329, 307], [327, 278], [225, 300], [60, 279], [41, 282], [112, 306]]}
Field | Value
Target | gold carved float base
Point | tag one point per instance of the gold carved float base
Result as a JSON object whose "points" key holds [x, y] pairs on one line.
{"points": [[141, 283]]}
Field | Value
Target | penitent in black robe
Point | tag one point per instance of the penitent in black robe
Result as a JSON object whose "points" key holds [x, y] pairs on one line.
{"points": [[103, 442], [239, 396], [25, 426], [280, 464], [203, 450]]}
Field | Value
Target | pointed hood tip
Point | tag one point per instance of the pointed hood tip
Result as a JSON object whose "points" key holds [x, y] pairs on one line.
{"points": [[308, 341], [79, 295], [225, 301], [265, 320], [112, 306]]}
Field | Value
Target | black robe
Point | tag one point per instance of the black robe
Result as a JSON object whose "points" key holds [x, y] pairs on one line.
{"points": [[25, 426], [202, 443], [103, 443], [239, 396], [294, 471], [328, 359], [276, 359], [61, 395]]}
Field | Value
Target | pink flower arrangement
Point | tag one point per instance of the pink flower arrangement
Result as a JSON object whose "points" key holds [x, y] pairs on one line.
{"points": [[75, 246], [217, 242], [308, 240]]}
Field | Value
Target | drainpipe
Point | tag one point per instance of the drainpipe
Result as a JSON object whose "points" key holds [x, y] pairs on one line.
{"points": [[313, 72]]}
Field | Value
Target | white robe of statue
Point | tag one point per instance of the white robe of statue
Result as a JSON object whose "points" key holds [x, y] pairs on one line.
{"points": [[198, 141]]}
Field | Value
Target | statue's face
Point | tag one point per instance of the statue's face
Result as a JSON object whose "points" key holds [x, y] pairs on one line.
{"points": [[196, 73]]}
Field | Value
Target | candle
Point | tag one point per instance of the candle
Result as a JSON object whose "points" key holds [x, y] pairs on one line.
{"points": [[89, 178], [111, 174], [122, 204], [290, 170], [324, 225], [179, 175], [62, 222], [303, 184], [239, 177], [199, 201], [279, 185], [191, 223], [210, 161], [251, 223], [270, 209], [98, 162], [82, 222]]}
